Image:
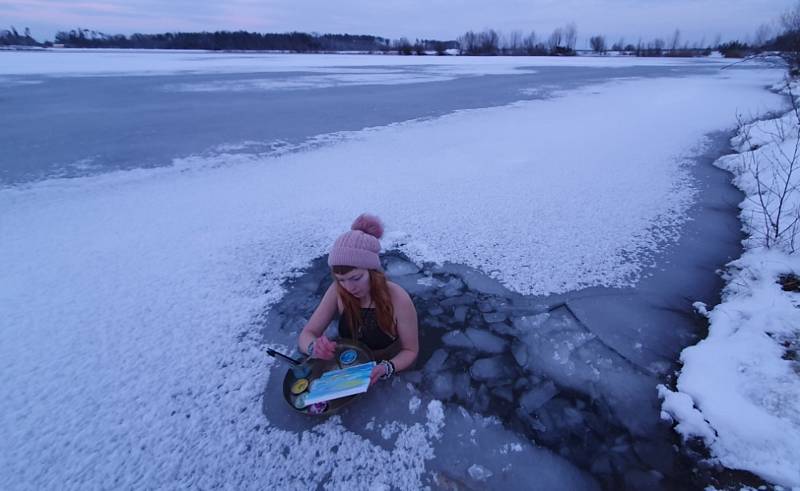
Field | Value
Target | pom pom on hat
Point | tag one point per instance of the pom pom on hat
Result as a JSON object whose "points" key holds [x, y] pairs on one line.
{"points": [[369, 224], [359, 247]]}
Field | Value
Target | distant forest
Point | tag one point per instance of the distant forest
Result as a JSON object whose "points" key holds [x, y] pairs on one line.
{"points": [[296, 42], [11, 37], [561, 41]]}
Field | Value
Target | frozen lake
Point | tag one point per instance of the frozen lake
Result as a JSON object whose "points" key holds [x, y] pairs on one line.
{"points": [[67, 124], [139, 295]]}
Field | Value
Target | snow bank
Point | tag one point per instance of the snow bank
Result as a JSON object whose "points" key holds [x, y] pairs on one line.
{"points": [[129, 356], [739, 389]]}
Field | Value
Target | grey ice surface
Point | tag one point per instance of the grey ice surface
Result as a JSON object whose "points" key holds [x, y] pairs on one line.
{"points": [[74, 126]]}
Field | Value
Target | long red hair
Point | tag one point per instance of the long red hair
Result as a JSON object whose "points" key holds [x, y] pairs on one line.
{"points": [[379, 291]]}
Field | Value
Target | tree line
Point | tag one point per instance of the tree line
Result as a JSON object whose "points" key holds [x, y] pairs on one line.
{"points": [[223, 40], [10, 37], [296, 42], [783, 41], [562, 41]]}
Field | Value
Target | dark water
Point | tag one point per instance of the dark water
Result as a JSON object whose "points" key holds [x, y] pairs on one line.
{"points": [[74, 126]]}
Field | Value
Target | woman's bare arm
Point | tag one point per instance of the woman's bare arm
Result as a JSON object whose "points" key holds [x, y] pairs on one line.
{"points": [[407, 329], [322, 316]]}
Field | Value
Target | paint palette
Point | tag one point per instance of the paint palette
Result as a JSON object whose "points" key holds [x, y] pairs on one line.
{"points": [[348, 357], [300, 378], [300, 386]]}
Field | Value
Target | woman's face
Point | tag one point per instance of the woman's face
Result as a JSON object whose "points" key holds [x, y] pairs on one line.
{"points": [[356, 282]]}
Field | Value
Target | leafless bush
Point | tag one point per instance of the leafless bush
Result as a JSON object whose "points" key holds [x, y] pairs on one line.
{"points": [[480, 43], [762, 35], [773, 171], [598, 44], [555, 40], [676, 40], [570, 36]]}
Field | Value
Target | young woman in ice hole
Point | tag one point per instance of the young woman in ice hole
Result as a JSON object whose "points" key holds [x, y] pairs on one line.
{"points": [[371, 310]]}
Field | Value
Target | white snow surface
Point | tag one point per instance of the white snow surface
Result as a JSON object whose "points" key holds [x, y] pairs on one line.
{"points": [[78, 62], [739, 389], [129, 356]]}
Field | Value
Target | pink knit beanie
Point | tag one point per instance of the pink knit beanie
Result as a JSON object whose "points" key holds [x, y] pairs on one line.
{"points": [[359, 247]]}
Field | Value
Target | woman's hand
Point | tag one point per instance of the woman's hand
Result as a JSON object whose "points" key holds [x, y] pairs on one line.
{"points": [[324, 348], [378, 371]]}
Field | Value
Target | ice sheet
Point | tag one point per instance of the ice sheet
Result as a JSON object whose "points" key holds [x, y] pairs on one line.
{"points": [[128, 300]]}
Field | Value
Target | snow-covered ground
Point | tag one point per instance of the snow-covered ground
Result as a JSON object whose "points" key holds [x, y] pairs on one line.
{"points": [[127, 300], [739, 389], [78, 62]]}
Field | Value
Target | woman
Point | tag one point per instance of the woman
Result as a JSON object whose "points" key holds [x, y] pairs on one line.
{"points": [[372, 311]]}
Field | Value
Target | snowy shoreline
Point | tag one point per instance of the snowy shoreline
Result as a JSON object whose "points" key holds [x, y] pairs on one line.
{"points": [[739, 389]]}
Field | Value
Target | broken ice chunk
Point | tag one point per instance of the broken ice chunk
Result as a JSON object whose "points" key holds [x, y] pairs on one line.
{"points": [[479, 472], [537, 396], [462, 387], [415, 284], [436, 310], [429, 282], [442, 386], [520, 352], [504, 392], [398, 267], [492, 368], [436, 361], [457, 339], [453, 287], [486, 341], [502, 328], [492, 317], [460, 314], [466, 299]]}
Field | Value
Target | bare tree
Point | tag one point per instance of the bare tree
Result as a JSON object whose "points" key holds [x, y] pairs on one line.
{"points": [[762, 35], [515, 43], [598, 44], [790, 20], [656, 47], [619, 45], [788, 42], [675, 41], [774, 171], [530, 43], [489, 41], [468, 43], [699, 46], [570, 36], [556, 39], [482, 43], [403, 46]]}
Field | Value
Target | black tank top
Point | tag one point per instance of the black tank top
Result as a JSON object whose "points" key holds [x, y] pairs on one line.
{"points": [[371, 335]]}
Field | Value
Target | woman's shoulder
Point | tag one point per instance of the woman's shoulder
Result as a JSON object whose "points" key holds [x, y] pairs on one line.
{"points": [[399, 294]]}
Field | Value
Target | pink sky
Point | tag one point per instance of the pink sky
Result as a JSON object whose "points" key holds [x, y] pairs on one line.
{"points": [[631, 19]]}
